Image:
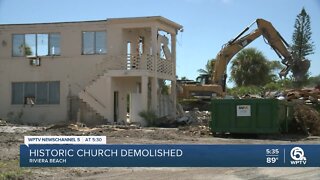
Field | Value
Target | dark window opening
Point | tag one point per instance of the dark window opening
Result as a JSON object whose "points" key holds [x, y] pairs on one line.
{"points": [[36, 93]]}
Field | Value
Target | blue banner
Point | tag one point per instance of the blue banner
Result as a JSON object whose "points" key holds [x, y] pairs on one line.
{"points": [[168, 155]]}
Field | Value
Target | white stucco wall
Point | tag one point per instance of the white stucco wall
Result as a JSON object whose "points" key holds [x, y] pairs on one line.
{"points": [[74, 71]]}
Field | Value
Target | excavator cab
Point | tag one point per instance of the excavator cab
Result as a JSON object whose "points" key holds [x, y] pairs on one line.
{"points": [[203, 79]]}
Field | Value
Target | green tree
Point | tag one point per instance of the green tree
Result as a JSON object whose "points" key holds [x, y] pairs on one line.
{"points": [[314, 81], [183, 78], [164, 87], [302, 46], [275, 67], [250, 67], [27, 50], [301, 38]]}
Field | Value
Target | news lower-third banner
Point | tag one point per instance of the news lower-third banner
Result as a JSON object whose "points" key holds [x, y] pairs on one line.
{"points": [[168, 155]]}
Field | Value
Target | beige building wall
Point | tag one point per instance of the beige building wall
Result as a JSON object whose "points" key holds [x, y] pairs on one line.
{"points": [[98, 75]]}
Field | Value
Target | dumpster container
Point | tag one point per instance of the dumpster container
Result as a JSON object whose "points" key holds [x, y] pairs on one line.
{"points": [[256, 116]]}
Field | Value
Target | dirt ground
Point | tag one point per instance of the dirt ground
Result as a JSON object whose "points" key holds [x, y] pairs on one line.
{"points": [[11, 136]]}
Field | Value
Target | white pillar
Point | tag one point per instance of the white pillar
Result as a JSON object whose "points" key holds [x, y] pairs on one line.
{"points": [[155, 48], [154, 95], [144, 92], [109, 94], [155, 52], [174, 79]]}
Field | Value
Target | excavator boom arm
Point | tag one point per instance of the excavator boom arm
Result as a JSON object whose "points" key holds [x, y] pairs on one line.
{"points": [[226, 54], [274, 39]]}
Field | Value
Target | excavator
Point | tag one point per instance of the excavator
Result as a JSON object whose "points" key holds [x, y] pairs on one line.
{"points": [[207, 87]]}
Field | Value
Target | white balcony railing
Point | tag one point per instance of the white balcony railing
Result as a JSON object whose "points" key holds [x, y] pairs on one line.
{"points": [[136, 62], [165, 67]]}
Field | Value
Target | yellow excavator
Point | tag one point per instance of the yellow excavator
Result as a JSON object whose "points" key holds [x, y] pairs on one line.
{"points": [[206, 86]]}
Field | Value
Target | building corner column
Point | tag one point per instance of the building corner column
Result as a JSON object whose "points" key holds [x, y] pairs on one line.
{"points": [[154, 95], [144, 92], [174, 79]]}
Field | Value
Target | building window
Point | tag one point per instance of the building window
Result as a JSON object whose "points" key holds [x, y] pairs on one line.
{"points": [[42, 93], [18, 45], [39, 92], [94, 42], [17, 93], [54, 44], [36, 44], [30, 45], [54, 92], [42, 44]]}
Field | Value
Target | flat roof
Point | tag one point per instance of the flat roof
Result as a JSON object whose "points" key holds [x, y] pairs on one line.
{"points": [[126, 19], [155, 18]]}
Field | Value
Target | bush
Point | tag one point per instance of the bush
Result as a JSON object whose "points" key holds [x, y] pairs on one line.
{"points": [[149, 116], [280, 85], [243, 90]]}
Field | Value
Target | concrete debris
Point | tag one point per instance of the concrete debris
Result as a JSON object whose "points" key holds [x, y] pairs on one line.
{"points": [[189, 105], [198, 117], [274, 94], [3, 122], [196, 130], [251, 96], [281, 98], [195, 117], [197, 122], [74, 127], [306, 94], [184, 120], [120, 127]]}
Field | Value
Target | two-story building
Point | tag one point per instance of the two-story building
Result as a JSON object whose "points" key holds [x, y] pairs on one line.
{"points": [[93, 72]]}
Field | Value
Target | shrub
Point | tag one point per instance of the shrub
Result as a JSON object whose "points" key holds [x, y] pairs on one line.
{"points": [[149, 116]]}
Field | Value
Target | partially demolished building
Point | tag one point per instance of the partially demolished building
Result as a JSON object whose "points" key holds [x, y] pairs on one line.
{"points": [[94, 72]]}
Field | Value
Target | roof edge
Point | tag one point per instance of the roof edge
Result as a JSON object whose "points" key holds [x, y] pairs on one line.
{"points": [[157, 18], [125, 19], [47, 23]]}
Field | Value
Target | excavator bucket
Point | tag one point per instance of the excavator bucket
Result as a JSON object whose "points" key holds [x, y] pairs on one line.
{"points": [[301, 68]]}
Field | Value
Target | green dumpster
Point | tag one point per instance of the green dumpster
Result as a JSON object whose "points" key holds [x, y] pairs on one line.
{"points": [[252, 116]]}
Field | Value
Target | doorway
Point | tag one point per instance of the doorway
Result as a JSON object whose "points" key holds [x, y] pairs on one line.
{"points": [[116, 106]]}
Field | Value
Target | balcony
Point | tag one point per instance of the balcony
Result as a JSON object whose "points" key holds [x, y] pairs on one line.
{"points": [[164, 68]]}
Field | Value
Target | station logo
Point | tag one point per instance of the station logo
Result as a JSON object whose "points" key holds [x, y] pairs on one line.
{"points": [[297, 156]]}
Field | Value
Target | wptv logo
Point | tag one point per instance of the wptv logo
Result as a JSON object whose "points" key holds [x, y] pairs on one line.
{"points": [[297, 154]]}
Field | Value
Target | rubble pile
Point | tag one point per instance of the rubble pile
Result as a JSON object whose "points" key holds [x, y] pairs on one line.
{"points": [[197, 122], [309, 96], [306, 108], [197, 117], [189, 105], [308, 119]]}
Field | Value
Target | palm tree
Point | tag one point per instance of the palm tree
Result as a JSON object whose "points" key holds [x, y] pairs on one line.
{"points": [[250, 67], [183, 78], [208, 70], [275, 67]]}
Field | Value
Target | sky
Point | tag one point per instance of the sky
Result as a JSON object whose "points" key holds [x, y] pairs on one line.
{"points": [[208, 24]]}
